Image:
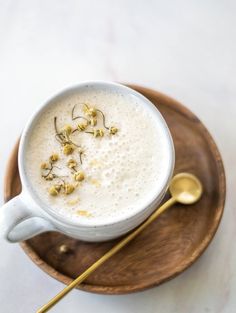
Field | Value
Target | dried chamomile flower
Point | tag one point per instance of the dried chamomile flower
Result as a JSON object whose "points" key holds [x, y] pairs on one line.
{"points": [[113, 130], [90, 111], [82, 126], [69, 188], [68, 149], [54, 157], [44, 166], [97, 132], [101, 132], [79, 176], [93, 121], [67, 129], [49, 177], [71, 163], [54, 190]]}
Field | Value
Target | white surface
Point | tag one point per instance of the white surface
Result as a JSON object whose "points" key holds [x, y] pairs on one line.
{"points": [[184, 48]]}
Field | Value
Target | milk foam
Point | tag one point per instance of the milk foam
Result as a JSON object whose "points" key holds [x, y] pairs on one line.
{"points": [[122, 171]]}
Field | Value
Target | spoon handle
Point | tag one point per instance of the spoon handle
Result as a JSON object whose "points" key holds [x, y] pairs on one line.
{"points": [[106, 256]]}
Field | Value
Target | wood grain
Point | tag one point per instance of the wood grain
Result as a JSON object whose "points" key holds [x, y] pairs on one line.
{"points": [[168, 246]]}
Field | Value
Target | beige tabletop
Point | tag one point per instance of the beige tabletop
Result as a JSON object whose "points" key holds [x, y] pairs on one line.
{"points": [[183, 48]]}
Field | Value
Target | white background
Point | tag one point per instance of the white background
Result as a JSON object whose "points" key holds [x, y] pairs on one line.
{"points": [[186, 49]]}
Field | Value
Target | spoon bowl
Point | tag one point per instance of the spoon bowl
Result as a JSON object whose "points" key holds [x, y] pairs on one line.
{"points": [[186, 188]]}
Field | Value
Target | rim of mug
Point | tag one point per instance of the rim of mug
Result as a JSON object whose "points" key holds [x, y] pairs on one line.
{"points": [[161, 188]]}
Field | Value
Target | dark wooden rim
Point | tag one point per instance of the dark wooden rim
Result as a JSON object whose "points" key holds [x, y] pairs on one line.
{"points": [[179, 269]]}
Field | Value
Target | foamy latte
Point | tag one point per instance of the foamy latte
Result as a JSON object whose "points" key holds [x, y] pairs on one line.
{"points": [[96, 154]]}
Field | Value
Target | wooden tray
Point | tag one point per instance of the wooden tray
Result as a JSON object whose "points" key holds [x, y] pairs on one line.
{"points": [[168, 246]]}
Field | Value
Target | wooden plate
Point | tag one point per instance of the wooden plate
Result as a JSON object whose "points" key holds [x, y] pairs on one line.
{"points": [[168, 246]]}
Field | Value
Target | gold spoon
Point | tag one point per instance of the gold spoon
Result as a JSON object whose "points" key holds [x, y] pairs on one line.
{"points": [[184, 188]]}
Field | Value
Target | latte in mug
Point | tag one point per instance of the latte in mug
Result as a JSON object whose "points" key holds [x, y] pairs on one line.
{"points": [[94, 155]]}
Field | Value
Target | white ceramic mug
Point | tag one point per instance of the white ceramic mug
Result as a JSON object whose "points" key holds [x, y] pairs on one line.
{"points": [[25, 216]]}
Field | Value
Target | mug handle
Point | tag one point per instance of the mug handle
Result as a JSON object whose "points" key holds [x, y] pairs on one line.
{"points": [[18, 223]]}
